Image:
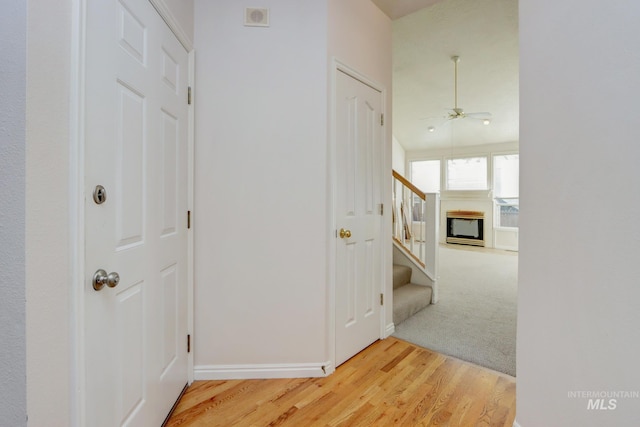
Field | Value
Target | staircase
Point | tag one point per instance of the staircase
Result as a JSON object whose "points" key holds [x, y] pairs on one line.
{"points": [[416, 224], [408, 298]]}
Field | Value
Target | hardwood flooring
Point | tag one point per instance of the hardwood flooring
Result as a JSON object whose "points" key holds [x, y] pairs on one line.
{"points": [[390, 383]]}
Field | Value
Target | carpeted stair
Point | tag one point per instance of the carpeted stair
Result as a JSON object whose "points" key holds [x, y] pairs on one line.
{"points": [[408, 298]]}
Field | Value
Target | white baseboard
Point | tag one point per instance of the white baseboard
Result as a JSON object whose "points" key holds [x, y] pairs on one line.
{"points": [[262, 371], [391, 328]]}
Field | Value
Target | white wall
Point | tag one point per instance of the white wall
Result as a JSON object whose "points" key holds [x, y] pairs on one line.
{"points": [[398, 157], [260, 187], [48, 258], [578, 296], [13, 387], [262, 214], [360, 37]]}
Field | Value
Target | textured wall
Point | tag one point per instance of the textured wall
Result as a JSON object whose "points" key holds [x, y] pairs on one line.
{"points": [[13, 394]]}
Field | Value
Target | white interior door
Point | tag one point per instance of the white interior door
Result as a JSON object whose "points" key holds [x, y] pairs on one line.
{"points": [[359, 134], [135, 147]]}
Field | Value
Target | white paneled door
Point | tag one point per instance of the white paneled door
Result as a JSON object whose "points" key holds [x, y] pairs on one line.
{"points": [[135, 328], [359, 141]]}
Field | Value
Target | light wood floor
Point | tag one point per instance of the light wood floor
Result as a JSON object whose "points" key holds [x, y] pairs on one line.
{"points": [[391, 383]]}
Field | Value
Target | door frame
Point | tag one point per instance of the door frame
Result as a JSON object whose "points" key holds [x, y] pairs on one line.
{"points": [[332, 192], [77, 248]]}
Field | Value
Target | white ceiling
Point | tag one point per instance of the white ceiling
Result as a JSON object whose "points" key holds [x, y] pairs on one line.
{"points": [[398, 8], [484, 34]]}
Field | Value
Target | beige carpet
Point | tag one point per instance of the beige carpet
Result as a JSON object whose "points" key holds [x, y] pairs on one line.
{"points": [[475, 319]]}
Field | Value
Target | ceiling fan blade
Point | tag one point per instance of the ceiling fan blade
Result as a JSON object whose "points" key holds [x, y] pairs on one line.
{"points": [[479, 116]]}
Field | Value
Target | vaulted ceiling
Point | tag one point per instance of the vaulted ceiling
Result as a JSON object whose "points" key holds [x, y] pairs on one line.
{"points": [[426, 34], [398, 8]]}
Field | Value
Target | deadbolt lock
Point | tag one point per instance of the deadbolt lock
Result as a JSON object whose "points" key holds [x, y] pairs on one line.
{"points": [[99, 195]]}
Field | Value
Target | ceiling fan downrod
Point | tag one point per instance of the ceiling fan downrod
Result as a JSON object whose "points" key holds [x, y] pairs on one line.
{"points": [[456, 60]]}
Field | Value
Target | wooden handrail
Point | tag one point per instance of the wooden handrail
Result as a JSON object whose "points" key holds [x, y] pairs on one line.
{"points": [[409, 185], [409, 252]]}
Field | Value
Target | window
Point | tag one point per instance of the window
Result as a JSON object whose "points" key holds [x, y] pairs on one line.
{"points": [[467, 173], [506, 175], [425, 174], [507, 212], [506, 193]]}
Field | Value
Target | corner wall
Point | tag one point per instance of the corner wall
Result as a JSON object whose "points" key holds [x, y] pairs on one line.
{"points": [[262, 174], [13, 387], [260, 190], [579, 231]]}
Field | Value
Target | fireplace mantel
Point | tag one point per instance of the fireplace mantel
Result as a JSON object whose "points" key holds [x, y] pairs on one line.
{"points": [[465, 214]]}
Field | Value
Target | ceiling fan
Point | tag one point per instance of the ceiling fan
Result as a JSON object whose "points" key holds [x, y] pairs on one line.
{"points": [[457, 112]]}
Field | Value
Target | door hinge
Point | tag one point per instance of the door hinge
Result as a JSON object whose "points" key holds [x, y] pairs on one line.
{"points": [[381, 299], [381, 209], [381, 119], [188, 220], [188, 343], [189, 95]]}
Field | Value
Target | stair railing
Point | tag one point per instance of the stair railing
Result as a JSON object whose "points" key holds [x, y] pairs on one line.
{"points": [[408, 217], [416, 219]]}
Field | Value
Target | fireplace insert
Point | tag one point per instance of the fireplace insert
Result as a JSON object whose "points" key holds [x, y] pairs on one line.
{"points": [[465, 227]]}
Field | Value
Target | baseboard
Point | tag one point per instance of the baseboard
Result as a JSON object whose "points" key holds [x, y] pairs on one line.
{"points": [[262, 371], [391, 328]]}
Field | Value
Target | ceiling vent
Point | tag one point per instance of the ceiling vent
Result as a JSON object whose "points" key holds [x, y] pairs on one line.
{"points": [[255, 17]]}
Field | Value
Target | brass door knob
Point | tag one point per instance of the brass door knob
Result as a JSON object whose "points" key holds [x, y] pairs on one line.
{"points": [[345, 234]]}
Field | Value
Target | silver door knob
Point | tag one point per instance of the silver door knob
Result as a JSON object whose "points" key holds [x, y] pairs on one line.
{"points": [[101, 278]]}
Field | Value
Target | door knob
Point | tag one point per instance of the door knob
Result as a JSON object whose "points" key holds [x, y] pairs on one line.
{"points": [[101, 278], [345, 234]]}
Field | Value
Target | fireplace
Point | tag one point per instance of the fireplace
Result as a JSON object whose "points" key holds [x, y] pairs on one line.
{"points": [[465, 227]]}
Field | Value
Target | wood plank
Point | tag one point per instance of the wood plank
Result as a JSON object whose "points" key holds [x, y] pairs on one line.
{"points": [[392, 382]]}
